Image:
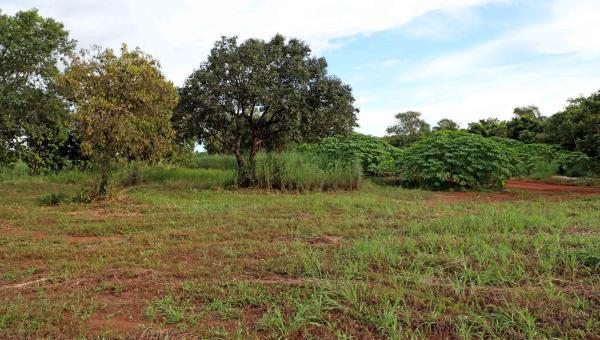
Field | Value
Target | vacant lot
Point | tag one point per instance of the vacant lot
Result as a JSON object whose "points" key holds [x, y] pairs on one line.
{"points": [[167, 260]]}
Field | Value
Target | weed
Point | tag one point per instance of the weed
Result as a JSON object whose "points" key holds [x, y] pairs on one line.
{"points": [[54, 199]]}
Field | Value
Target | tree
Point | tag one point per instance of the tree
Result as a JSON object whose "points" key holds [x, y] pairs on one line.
{"points": [[488, 127], [526, 125], [123, 107], [408, 129], [34, 121], [262, 94], [578, 126], [446, 124]]}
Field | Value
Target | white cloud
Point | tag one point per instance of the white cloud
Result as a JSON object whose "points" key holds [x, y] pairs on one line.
{"points": [[572, 28], [541, 63], [488, 79], [180, 32], [381, 64]]}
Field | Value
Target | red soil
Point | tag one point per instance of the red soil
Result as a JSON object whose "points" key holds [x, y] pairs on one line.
{"points": [[537, 186], [515, 190]]}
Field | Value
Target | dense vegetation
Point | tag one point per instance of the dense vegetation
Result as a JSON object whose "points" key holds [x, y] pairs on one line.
{"points": [[34, 121], [377, 157], [543, 160], [247, 99], [455, 160]]}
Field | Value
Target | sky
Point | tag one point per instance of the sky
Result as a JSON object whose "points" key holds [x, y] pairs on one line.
{"points": [[460, 59]]}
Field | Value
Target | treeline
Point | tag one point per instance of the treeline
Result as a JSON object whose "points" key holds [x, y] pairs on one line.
{"points": [[576, 128], [99, 108]]}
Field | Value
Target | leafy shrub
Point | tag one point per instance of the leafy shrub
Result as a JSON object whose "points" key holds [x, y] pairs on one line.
{"points": [[544, 160], [531, 160], [575, 164], [305, 172], [54, 199], [376, 156], [455, 160]]}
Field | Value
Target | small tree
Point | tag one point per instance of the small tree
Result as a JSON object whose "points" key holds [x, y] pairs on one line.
{"points": [[408, 129], [491, 127], [577, 127], [527, 125], [262, 95], [123, 107], [447, 125]]}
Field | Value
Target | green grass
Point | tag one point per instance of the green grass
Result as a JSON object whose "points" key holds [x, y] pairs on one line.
{"points": [[201, 160], [296, 171], [173, 177], [168, 259]]}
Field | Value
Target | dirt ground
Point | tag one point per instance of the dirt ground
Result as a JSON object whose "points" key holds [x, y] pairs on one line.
{"points": [[163, 272], [515, 190], [538, 186]]}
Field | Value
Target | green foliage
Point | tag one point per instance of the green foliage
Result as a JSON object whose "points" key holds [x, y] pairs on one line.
{"points": [[530, 159], [576, 128], [34, 121], [123, 107], [376, 156], [197, 178], [453, 160], [297, 171], [488, 127], [408, 129], [527, 125], [446, 124], [576, 164], [262, 95], [541, 161], [15, 171], [202, 160]]}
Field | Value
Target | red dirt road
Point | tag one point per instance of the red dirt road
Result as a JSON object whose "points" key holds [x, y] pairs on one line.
{"points": [[536, 186], [514, 192]]}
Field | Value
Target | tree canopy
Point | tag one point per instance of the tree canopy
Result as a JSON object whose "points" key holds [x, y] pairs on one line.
{"points": [[33, 119], [262, 94], [123, 107], [488, 127], [578, 126], [446, 124], [526, 125], [408, 129]]}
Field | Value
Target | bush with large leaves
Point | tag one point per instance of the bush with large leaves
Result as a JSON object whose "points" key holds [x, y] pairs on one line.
{"points": [[456, 160], [532, 160], [376, 156]]}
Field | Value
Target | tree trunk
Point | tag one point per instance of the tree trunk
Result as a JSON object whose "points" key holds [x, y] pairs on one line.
{"points": [[241, 163], [103, 187]]}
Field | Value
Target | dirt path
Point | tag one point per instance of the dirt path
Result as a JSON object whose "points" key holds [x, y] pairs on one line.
{"points": [[514, 192], [537, 186]]}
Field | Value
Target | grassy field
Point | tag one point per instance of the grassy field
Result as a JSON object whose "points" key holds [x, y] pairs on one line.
{"points": [[174, 258]]}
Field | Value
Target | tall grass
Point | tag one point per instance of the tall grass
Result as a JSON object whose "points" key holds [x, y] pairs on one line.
{"points": [[293, 171], [20, 172], [305, 172], [210, 161], [176, 176]]}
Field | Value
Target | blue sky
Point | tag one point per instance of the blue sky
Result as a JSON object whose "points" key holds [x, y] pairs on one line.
{"points": [[458, 59]]}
